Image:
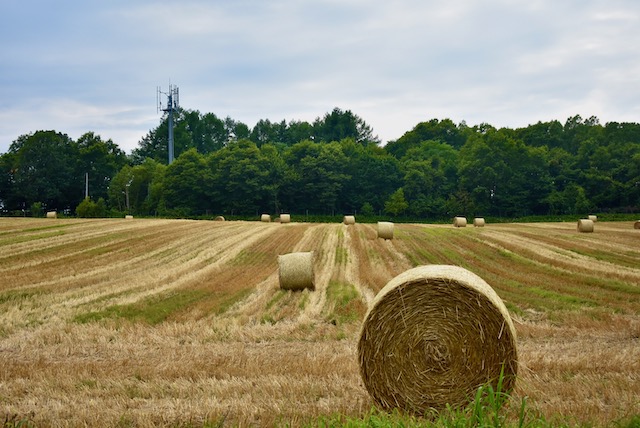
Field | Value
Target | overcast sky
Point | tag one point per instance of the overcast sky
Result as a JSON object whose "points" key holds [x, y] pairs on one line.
{"points": [[94, 65]]}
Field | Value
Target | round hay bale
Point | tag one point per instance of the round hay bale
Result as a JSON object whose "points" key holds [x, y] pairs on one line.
{"points": [[349, 219], [285, 218], [432, 336], [219, 218], [385, 230], [295, 271], [593, 218], [636, 225], [478, 222], [460, 221], [52, 214], [128, 217], [585, 225], [266, 218]]}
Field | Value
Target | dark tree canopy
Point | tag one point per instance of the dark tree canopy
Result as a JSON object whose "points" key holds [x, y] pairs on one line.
{"points": [[331, 166]]}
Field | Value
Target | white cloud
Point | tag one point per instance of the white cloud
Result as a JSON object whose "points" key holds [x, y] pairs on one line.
{"points": [[94, 66]]}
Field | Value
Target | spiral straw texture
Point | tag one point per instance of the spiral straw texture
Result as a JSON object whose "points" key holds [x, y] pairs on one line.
{"points": [[432, 336]]}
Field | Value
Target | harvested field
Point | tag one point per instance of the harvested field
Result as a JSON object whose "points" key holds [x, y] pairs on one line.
{"points": [[114, 322]]}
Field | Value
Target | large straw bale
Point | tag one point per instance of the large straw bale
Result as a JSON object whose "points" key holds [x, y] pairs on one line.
{"points": [[265, 218], [219, 218], [460, 221], [349, 219], [285, 218], [478, 222], [432, 336], [636, 225], [593, 218], [585, 225], [385, 230], [52, 214], [295, 271]]}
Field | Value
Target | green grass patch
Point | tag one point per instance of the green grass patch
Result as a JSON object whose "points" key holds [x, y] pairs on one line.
{"points": [[562, 300], [228, 300], [19, 295], [22, 238], [348, 305], [342, 256], [249, 257], [275, 299], [152, 311]]}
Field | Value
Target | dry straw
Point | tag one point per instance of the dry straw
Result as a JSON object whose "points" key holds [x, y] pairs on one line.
{"points": [[219, 218], [585, 225], [295, 271], [460, 222], [478, 222], [349, 219], [285, 218], [432, 336], [593, 218], [52, 214], [265, 218], [385, 230], [636, 225]]}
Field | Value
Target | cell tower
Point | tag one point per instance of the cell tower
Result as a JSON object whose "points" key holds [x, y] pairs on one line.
{"points": [[172, 105]]}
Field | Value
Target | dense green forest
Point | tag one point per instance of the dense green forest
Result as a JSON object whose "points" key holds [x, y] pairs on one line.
{"points": [[334, 165]]}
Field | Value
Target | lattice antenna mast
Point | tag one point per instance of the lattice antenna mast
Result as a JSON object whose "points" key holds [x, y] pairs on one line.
{"points": [[173, 103]]}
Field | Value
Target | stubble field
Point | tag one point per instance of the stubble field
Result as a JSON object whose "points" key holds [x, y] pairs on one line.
{"points": [[112, 322]]}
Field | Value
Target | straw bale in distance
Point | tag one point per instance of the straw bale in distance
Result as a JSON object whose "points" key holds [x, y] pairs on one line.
{"points": [[478, 222], [52, 214], [460, 221], [295, 271], [349, 219], [432, 336], [585, 225], [636, 225], [285, 218], [266, 218], [385, 230], [219, 218], [128, 217], [593, 218]]}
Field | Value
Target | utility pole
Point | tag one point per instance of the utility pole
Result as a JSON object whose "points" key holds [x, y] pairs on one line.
{"points": [[172, 105]]}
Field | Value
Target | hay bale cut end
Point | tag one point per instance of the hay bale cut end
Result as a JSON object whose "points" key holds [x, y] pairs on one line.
{"points": [[52, 214], [593, 218], [385, 230], [585, 225], [219, 218], [349, 219], [432, 336], [636, 225], [266, 218], [295, 271], [478, 222], [128, 217], [460, 221], [285, 218]]}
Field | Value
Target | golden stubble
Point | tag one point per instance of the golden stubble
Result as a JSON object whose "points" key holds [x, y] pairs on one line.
{"points": [[273, 357]]}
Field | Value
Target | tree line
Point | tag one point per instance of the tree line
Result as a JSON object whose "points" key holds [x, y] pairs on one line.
{"points": [[334, 165]]}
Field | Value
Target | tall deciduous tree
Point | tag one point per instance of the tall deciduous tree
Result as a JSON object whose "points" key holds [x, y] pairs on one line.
{"points": [[45, 168]]}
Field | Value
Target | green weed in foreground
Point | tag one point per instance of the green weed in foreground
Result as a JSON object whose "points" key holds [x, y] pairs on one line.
{"points": [[491, 407]]}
